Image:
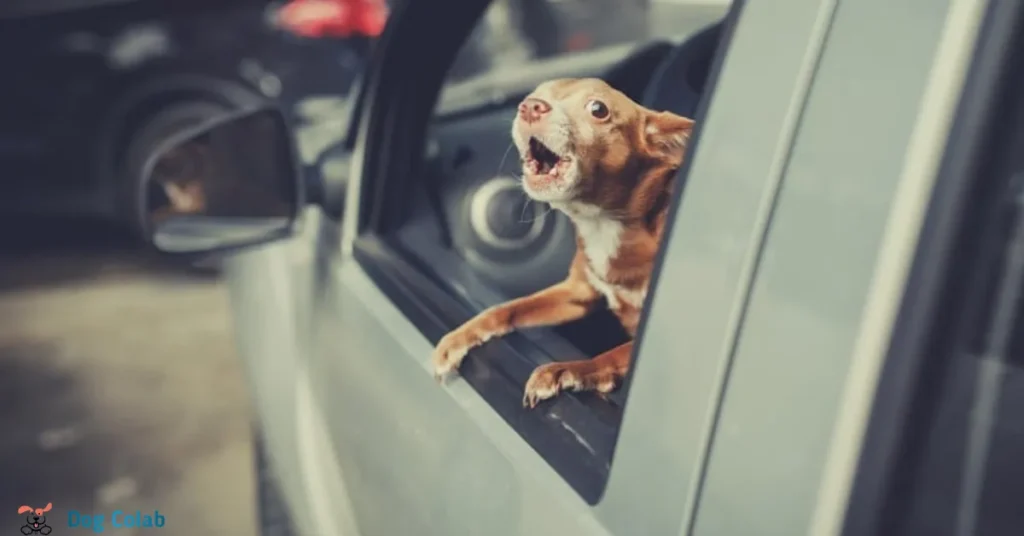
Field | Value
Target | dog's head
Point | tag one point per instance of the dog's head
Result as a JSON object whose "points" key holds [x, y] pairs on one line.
{"points": [[582, 140]]}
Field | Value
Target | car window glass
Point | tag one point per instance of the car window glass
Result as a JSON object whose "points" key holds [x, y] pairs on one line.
{"points": [[969, 472], [967, 477]]}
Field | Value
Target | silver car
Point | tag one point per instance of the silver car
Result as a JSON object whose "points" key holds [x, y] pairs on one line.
{"points": [[835, 338]]}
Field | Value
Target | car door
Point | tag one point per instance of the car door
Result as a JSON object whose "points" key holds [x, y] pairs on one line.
{"points": [[415, 456]]}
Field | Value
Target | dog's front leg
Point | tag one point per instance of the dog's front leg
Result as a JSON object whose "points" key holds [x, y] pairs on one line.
{"points": [[602, 374], [566, 301]]}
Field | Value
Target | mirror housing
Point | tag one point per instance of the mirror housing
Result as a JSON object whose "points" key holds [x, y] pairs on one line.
{"points": [[231, 183]]}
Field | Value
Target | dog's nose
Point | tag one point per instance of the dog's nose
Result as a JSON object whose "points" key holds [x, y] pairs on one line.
{"points": [[532, 109]]}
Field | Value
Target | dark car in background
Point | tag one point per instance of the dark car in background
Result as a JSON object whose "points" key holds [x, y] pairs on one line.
{"points": [[87, 88]]}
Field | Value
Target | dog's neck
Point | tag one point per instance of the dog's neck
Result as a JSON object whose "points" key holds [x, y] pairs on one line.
{"points": [[605, 233], [599, 236], [580, 210], [646, 201]]}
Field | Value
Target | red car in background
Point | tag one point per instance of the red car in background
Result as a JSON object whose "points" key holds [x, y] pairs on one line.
{"points": [[334, 18]]}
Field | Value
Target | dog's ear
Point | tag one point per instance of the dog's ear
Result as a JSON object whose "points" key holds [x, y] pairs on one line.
{"points": [[49, 506], [667, 135], [24, 509]]}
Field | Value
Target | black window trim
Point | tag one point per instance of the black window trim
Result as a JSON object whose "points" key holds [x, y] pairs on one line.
{"points": [[399, 100], [926, 325]]}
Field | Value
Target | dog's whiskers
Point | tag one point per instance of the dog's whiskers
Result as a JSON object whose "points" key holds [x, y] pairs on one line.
{"points": [[527, 203], [501, 164]]}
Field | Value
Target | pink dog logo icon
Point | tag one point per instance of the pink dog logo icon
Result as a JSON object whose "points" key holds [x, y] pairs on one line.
{"points": [[35, 521]]}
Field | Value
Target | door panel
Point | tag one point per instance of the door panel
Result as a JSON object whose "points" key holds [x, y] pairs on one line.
{"points": [[420, 458]]}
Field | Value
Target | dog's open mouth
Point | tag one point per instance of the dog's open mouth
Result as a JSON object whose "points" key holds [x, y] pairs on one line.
{"points": [[541, 160]]}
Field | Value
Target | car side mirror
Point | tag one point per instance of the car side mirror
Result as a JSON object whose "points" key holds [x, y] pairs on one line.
{"points": [[231, 183]]}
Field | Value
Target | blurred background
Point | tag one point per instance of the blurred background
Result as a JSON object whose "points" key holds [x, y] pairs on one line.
{"points": [[119, 382]]}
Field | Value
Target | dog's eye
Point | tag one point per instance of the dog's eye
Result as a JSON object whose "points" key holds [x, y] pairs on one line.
{"points": [[597, 109]]}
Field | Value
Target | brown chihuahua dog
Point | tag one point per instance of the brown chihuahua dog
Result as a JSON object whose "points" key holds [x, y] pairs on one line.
{"points": [[608, 164]]}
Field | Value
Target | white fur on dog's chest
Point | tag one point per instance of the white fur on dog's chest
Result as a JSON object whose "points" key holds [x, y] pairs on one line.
{"points": [[601, 239], [604, 288]]}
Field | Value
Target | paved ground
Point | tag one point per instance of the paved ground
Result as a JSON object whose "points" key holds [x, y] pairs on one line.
{"points": [[120, 390]]}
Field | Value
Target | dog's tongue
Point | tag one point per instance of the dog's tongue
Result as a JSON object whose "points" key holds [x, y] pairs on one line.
{"points": [[35, 524]]}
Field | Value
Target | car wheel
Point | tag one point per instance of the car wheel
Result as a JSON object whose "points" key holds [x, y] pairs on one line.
{"points": [[272, 513]]}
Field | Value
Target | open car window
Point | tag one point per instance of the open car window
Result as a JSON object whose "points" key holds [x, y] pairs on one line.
{"points": [[454, 234]]}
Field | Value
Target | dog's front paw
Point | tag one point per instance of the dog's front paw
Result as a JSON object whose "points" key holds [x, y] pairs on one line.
{"points": [[549, 380], [451, 350]]}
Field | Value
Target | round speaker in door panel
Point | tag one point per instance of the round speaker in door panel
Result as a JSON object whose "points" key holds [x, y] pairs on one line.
{"points": [[502, 217]]}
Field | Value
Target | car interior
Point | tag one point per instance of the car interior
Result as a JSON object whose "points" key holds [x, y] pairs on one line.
{"points": [[464, 237]]}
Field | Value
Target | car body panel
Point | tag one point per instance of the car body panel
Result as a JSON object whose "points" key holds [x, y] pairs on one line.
{"points": [[269, 291]]}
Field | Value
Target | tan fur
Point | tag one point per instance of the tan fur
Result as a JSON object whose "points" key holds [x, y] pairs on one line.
{"points": [[615, 183]]}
